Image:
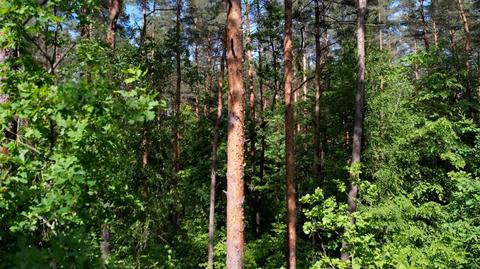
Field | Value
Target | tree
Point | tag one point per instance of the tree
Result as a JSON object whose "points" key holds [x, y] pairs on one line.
{"points": [[358, 119], [213, 168], [289, 139], [178, 85], [114, 9], [235, 138], [318, 88]]}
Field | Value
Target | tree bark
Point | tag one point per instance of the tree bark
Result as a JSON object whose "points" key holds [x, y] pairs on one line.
{"points": [[275, 78], [468, 41], [263, 144], [115, 6], [466, 27], [289, 139], [213, 168], [235, 138], [424, 25], [105, 244], [304, 66], [252, 117], [143, 34], [251, 88], [358, 120], [176, 160], [318, 91]]}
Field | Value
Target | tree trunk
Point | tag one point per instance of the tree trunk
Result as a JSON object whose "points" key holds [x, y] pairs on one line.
{"points": [[468, 42], [145, 147], [252, 117], [275, 78], [358, 120], [197, 88], [143, 34], [289, 139], [435, 32], [235, 138], [304, 66], [466, 28], [251, 88], [424, 25], [115, 6], [213, 168], [105, 244], [318, 92], [176, 160], [263, 144]]}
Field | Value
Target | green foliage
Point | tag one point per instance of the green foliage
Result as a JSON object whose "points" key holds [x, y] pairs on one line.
{"points": [[95, 128]]}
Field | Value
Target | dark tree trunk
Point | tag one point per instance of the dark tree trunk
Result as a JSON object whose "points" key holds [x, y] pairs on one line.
{"points": [[318, 91], [424, 25], [213, 168], [143, 34], [263, 145], [358, 120], [275, 78], [176, 158]]}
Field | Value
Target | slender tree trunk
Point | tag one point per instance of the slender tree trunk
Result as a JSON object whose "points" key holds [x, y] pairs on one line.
{"points": [[289, 139], [145, 147], [176, 161], [304, 66], [115, 7], [252, 117], [275, 78], [417, 72], [209, 85], [143, 34], [466, 27], [145, 142], [318, 91], [263, 144], [105, 244], [251, 88], [213, 168], [235, 138], [197, 88], [358, 120], [424, 25], [468, 41], [435, 31]]}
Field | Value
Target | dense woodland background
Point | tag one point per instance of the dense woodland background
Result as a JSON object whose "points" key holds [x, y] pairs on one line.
{"points": [[114, 118]]}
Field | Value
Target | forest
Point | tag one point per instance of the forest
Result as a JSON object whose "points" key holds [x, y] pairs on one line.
{"points": [[240, 134]]}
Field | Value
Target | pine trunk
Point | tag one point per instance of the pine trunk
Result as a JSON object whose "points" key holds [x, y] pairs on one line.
{"points": [[115, 6], [213, 168], [289, 139], [235, 138], [318, 92], [358, 120], [176, 161]]}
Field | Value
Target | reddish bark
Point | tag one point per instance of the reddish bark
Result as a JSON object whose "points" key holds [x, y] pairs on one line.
{"points": [[115, 6], [289, 139], [235, 138]]}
